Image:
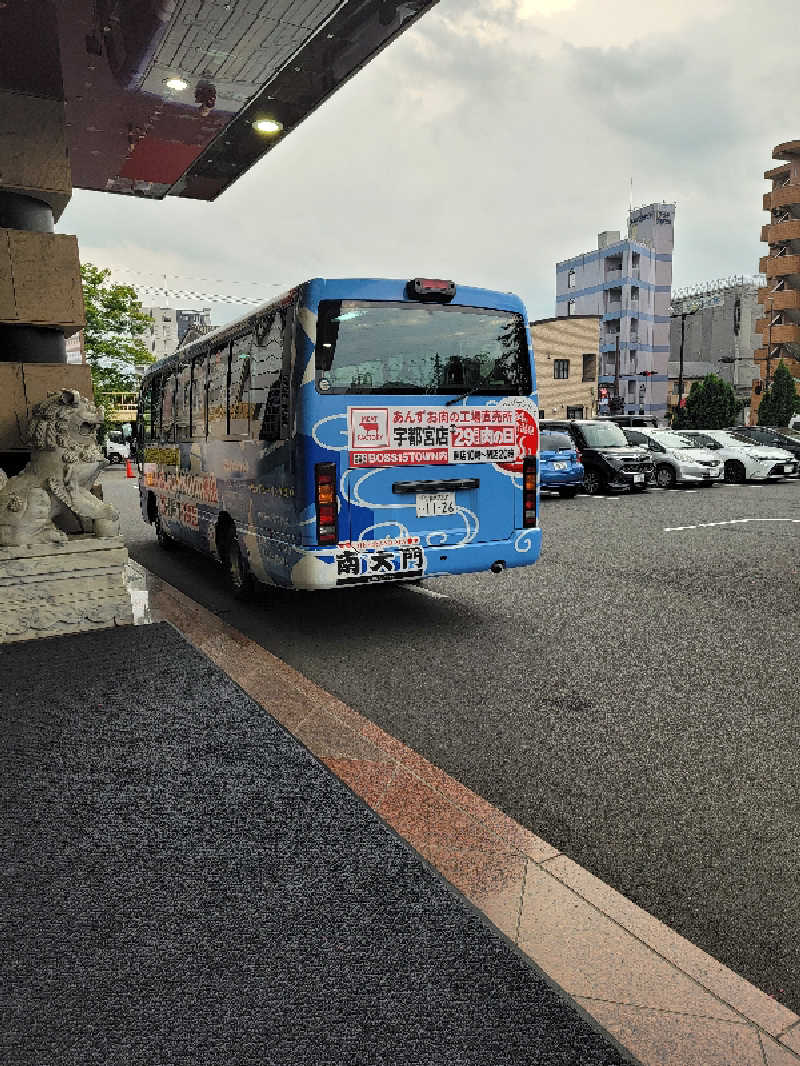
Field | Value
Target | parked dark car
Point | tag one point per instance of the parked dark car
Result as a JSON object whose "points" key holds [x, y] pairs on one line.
{"points": [[644, 421], [609, 462], [559, 469], [777, 438]]}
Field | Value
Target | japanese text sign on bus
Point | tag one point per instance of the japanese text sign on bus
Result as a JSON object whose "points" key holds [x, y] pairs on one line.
{"points": [[408, 436]]}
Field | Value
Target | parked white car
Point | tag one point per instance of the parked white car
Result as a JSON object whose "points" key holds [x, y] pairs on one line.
{"points": [[677, 459], [742, 461], [117, 448]]}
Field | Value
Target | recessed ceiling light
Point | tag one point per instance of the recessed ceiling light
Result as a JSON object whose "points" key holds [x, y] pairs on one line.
{"points": [[178, 84], [267, 125]]}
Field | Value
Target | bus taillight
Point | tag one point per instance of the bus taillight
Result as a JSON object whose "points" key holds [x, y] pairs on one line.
{"points": [[529, 491], [327, 515]]}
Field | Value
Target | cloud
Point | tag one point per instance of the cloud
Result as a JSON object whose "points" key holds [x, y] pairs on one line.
{"points": [[492, 140]]}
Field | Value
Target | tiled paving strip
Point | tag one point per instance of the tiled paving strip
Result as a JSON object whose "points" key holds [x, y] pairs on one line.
{"points": [[660, 996]]}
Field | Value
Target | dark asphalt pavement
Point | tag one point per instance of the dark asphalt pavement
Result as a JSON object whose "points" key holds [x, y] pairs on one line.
{"points": [[632, 698]]}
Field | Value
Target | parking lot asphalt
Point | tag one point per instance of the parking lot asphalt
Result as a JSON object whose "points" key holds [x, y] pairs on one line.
{"points": [[632, 698]]}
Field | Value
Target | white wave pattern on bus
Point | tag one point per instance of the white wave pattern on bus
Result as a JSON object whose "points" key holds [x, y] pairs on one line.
{"points": [[523, 541], [342, 432], [470, 531]]}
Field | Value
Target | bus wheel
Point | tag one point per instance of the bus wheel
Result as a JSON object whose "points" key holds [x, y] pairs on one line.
{"points": [[165, 541], [238, 576]]}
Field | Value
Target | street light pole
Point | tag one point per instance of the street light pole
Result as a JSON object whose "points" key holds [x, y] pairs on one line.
{"points": [[769, 339]]}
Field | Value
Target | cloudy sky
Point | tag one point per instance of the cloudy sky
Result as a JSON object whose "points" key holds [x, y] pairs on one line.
{"points": [[493, 139]]}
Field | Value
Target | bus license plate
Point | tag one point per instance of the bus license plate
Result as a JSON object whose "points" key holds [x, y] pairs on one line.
{"points": [[431, 504]]}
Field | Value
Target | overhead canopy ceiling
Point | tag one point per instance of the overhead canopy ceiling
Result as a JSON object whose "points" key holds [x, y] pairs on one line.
{"points": [[229, 63]]}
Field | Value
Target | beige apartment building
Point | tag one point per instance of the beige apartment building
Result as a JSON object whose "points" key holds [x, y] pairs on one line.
{"points": [[566, 353]]}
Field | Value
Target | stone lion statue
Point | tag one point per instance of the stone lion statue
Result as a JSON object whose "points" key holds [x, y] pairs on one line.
{"points": [[52, 496]]}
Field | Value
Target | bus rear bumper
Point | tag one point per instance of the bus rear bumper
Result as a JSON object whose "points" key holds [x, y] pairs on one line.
{"points": [[341, 567]]}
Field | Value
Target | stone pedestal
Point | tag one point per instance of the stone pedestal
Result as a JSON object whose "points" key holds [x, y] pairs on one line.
{"points": [[47, 590]]}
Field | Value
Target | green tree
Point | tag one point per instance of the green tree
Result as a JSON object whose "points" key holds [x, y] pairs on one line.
{"points": [[780, 401], [115, 323], [711, 404]]}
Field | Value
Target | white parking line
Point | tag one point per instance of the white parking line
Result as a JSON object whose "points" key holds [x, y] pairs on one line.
{"points": [[729, 522]]}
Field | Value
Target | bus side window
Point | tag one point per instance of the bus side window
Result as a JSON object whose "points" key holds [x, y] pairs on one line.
{"points": [[146, 425], [183, 405], [199, 386], [156, 408], [218, 394], [239, 392], [268, 388], [168, 408]]}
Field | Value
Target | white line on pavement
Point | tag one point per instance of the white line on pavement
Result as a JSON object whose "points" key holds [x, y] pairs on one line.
{"points": [[729, 522]]}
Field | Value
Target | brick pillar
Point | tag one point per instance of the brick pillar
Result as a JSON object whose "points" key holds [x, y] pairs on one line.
{"points": [[41, 299]]}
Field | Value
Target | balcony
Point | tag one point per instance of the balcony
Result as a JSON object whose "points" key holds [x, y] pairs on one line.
{"points": [[613, 275], [776, 266], [783, 197], [787, 333], [760, 359], [781, 231], [786, 300]]}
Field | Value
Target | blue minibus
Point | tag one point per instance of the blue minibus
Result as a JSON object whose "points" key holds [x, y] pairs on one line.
{"points": [[346, 433]]}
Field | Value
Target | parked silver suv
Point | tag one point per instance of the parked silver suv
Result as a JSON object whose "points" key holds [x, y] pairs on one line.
{"points": [[677, 459]]}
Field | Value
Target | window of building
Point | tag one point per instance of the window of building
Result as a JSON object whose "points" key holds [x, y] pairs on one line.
{"points": [[574, 412], [570, 307], [589, 367], [634, 294], [561, 368], [635, 260], [631, 387], [571, 279]]}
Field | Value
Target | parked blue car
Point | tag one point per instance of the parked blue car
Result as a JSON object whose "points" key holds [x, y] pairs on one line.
{"points": [[559, 469]]}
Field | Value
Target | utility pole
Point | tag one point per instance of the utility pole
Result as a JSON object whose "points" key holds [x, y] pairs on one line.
{"points": [[680, 364], [769, 340], [616, 370], [684, 315]]}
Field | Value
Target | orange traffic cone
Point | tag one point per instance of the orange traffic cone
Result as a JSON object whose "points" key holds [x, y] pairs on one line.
{"points": [[129, 470]]}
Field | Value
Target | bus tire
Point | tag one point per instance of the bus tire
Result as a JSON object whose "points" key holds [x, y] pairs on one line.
{"points": [[237, 573], [165, 541]]}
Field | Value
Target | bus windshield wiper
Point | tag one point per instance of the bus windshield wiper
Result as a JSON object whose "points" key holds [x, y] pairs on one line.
{"points": [[478, 385]]}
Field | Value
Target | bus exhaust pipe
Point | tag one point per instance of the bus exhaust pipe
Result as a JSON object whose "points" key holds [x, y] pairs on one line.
{"points": [[498, 567]]}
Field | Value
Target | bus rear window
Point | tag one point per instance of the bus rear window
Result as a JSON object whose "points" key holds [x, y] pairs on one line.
{"points": [[382, 347]]}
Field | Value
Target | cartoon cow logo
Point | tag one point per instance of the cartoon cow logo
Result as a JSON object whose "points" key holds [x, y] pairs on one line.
{"points": [[369, 427]]}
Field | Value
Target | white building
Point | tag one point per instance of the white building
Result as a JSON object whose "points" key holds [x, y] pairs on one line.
{"points": [[169, 326], [715, 323], [627, 282]]}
